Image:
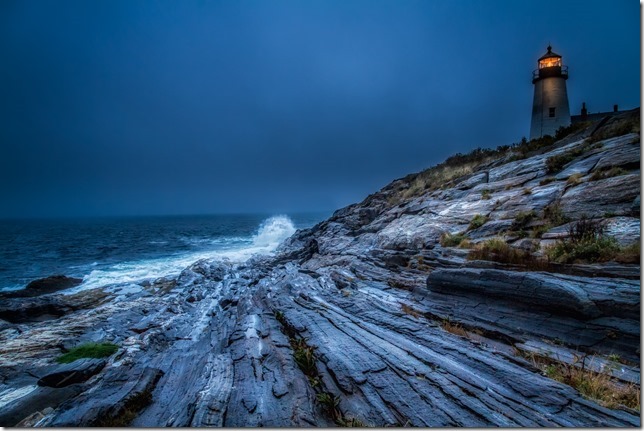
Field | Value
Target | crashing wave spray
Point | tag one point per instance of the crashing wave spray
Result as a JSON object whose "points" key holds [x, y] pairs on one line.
{"points": [[269, 236], [273, 231]]}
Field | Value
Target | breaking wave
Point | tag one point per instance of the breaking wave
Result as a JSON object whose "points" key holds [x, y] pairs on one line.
{"points": [[268, 236]]}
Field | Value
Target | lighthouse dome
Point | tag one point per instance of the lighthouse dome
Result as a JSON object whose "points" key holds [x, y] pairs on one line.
{"points": [[549, 59]]}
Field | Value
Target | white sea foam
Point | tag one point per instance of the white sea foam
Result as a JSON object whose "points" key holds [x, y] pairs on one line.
{"points": [[269, 235], [273, 231]]}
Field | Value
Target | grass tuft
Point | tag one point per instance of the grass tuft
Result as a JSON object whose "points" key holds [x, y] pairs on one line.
{"points": [[88, 350], [454, 328], [591, 384], [522, 219], [556, 163], [409, 310], [607, 173], [478, 221], [616, 128], [574, 180], [553, 214], [449, 240]]}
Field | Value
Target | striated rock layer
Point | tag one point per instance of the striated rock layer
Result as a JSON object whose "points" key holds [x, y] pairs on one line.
{"points": [[348, 323]]}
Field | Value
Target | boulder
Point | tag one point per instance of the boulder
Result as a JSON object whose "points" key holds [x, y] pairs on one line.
{"points": [[43, 286], [557, 294], [53, 284], [74, 372], [33, 309]]}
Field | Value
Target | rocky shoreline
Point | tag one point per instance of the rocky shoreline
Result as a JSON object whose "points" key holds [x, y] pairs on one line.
{"points": [[365, 319]]}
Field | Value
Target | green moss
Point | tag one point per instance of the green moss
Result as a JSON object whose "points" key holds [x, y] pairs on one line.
{"points": [[88, 350]]}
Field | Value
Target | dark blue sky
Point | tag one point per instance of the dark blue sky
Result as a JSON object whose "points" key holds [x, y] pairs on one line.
{"points": [[174, 107]]}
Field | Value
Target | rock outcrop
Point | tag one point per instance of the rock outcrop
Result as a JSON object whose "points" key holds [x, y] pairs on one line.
{"points": [[365, 319]]}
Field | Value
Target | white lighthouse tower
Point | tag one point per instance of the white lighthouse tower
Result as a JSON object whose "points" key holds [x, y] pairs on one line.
{"points": [[550, 104]]}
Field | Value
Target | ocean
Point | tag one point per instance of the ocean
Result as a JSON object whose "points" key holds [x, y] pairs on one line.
{"points": [[127, 251]]}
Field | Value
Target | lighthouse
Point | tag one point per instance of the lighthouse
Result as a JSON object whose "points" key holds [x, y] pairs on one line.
{"points": [[550, 104]]}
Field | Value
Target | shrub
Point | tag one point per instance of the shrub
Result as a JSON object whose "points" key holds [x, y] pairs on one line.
{"points": [[607, 173], [498, 250], [538, 231], [88, 350], [629, 254], [585, 243], [486, 194], [527, 191], [522, 220], [478, 221], [557, 162], [597, 250], [304, 357], [616, 128], [448, 240], [546, 181], [591, 384], [525, 147], [553, 214], [329, 403], [562, 131]]}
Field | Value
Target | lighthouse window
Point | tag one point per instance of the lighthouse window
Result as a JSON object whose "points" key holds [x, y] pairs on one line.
{"points": [[550, 62], [551, 112]]}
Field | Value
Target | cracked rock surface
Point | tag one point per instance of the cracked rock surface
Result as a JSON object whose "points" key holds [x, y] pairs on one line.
{"points": [[367, 294]]}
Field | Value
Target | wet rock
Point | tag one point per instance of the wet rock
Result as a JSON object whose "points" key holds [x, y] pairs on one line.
{"points": [[43, 286], [626, 230], [74, 372], [38, 400], [20, 310], [53, 283], [359, 306], [536, 289], [623, 152], [597, 198], [31, 420], [116, 395]]}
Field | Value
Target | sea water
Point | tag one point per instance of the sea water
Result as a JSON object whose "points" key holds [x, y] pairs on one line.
{"points": [[122, 251]]}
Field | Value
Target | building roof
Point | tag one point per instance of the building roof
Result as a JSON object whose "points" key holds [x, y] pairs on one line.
{"points": [[549, 54]]}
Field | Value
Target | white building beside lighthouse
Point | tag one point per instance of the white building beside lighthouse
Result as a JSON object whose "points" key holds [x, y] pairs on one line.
{"points": [[550, 108]]}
